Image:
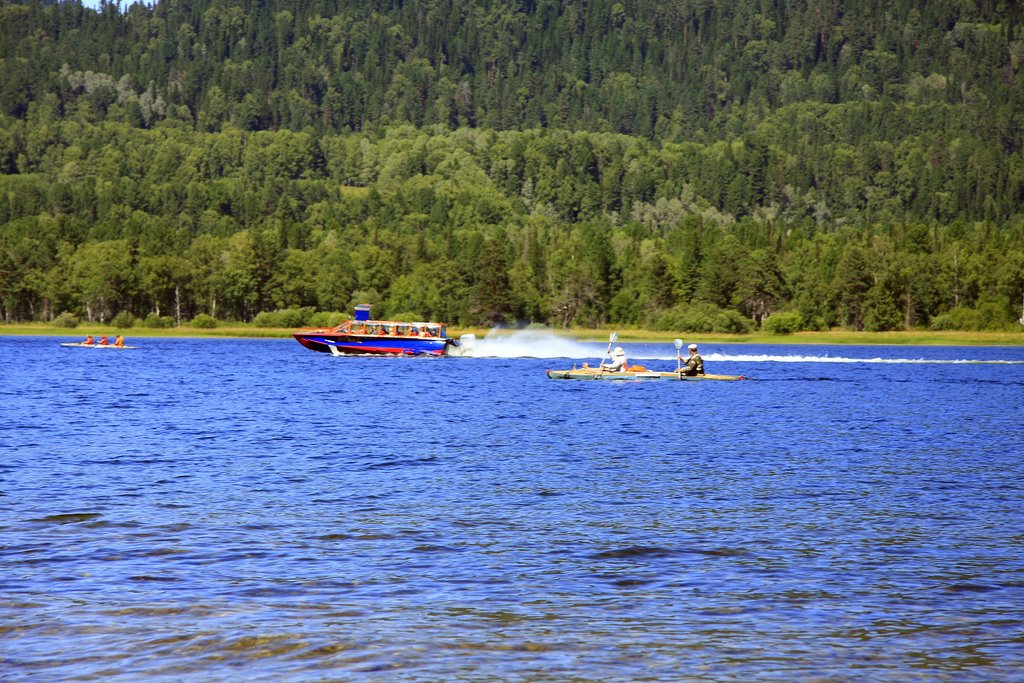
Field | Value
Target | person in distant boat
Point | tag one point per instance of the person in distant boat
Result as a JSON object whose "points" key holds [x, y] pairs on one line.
{"points": [[89, 339], [694, 365], [619, 362], [119, 341], [104, 341]]}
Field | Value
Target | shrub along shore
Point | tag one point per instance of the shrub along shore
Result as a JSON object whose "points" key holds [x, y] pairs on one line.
{"points": [[835, 336]]}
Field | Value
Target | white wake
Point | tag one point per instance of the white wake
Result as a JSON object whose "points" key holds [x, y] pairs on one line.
{"points": [[501, 343], [805, 358], [524, 344]]}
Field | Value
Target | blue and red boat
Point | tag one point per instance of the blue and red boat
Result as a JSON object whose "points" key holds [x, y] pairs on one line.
{"points": [[365, 336]]}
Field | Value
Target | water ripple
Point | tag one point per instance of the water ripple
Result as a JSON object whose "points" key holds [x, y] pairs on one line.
{"points": [[224, 509]]}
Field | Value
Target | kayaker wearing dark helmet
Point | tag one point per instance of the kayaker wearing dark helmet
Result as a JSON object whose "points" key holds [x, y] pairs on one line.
{"points": [[694, 365]]}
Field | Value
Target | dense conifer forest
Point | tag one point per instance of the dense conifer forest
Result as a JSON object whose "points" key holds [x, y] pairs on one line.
{"points": [[690, 165]]}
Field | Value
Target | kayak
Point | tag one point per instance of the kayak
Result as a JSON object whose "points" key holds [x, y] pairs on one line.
{"points": [[594, 373], [636, 372], [83, 345]]}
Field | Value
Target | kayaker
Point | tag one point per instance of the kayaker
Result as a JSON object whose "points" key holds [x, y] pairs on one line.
{"points": [[694, 365], [104, 341], [619, 362], [89, 340], [119, 341]]}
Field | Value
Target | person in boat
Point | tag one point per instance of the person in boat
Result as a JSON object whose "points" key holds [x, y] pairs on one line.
{"points": [[694, 365], [619, 362], [104, 341], [119, 341], [89, 340]]}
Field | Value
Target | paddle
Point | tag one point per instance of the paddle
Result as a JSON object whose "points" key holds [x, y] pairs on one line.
{"points": [[679, 359], [608, 353]]}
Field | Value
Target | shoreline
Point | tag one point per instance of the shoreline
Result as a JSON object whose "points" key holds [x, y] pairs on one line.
{"points": [[831, 337]]}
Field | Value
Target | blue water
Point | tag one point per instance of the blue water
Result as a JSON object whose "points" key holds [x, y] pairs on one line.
{"points": [[249, 510]]}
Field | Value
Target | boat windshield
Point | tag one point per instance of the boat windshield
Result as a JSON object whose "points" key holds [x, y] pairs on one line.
{"points": [[391, 328]]}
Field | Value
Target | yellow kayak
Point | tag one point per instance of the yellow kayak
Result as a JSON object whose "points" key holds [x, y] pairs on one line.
{"points": [[595, 373]]}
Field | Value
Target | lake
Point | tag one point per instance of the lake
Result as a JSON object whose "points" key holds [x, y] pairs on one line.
{"points": [[245, 509]]}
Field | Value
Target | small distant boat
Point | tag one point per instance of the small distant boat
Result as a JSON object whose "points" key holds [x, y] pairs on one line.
{"points": [[362, 335], [83, 345]]}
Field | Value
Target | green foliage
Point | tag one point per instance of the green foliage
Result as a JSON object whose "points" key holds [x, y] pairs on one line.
{"points": [[881, 312], [285, 317], [326, 319], [702, 318], [783, 322], [698, 168], [204, 322], [324, 249], [957, 319], [988, 315], [67, 320], [123, 320], [156, 321], [406, 315]]}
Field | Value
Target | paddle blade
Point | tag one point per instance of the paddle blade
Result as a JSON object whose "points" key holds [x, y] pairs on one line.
{"points": [[612, 337], [678, 343]]}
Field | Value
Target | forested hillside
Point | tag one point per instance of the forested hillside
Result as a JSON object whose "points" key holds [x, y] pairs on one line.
{"points": [[694, 165]]}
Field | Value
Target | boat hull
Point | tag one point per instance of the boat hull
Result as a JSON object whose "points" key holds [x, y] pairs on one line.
{"points": [[372, 345], [593, 374], [83, 345]]}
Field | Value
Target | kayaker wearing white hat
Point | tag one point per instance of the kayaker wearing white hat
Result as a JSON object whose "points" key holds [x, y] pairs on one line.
{"points": [[619, 363], [694, 365]]}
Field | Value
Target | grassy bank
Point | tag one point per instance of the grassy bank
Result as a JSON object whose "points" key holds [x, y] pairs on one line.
{"points": [[836, 336], [911, 337], [142, 332]]}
